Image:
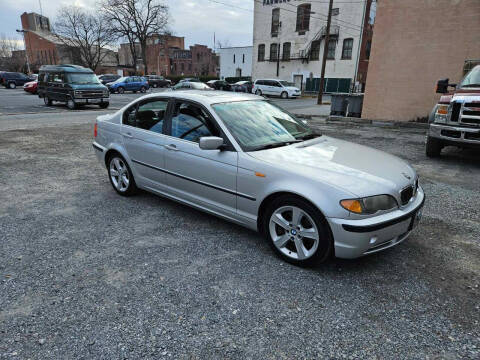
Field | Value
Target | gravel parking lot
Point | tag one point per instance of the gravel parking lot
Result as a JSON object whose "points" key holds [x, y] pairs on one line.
{"points": [[87, 274]]}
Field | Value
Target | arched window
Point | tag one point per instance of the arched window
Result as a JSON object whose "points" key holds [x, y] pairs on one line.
{"points": [[261, 52], [275, 21], [274, 52], [303, 17], [347, 49]]}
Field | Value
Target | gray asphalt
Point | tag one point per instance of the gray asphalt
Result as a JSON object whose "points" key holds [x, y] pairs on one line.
{"points": [[17, 101], [87, 274]]}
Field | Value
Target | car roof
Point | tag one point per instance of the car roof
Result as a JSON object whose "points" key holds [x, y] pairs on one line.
{"points": [[66, 68], [206, 97], [270, 80]]}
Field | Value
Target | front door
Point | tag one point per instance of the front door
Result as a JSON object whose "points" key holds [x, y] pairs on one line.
{"points": [[205, 177], [142, 132], [298, 80]]}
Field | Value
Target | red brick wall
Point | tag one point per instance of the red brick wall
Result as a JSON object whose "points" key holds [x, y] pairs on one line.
{"points": [[40, 51], [158, 57], [415, 43]]}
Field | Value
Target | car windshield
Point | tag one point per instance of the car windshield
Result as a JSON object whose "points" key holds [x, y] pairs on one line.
{"points": [[122, 79], [83, 79], [472, 79], [286, 83], [259, 124]]}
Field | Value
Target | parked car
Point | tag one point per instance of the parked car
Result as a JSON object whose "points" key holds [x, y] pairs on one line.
{"points": [[242, 158], [158, 81], [281, 88], [108, 78], [186, 85], [242, 86], [189, 80], [31, 87], [129, 83], [13, 79], [71, 84], [455, 120], [219, 85]]}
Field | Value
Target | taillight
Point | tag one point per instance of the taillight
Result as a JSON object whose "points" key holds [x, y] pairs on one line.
{"points": [[95, 130]]}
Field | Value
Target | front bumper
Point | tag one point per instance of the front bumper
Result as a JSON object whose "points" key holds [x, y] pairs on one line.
{"points": [[356, 238], [455, 135]]}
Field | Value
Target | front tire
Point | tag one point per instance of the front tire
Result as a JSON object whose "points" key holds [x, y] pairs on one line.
{"points": [[104, 105], [71, 104], [47, 101], [297, 231], [258, 92], [284, 95], [121, 176], [434, 147], [143, 89]]}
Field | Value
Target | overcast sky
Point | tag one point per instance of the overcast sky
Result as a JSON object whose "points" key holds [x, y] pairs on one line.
{"points": [[196, 20]]}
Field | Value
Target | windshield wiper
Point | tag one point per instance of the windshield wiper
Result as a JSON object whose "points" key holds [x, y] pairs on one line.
{"points": [[308, 136], [275, 145], [471, 85]]}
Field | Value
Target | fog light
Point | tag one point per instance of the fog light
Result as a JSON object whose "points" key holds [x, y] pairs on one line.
{"points": [[373, 240]]}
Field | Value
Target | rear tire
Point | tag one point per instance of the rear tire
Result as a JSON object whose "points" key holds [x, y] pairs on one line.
{"points": [[121, 90], [434, 147], [303, 240], [258, 92], [143, 89], [47, 101], [120, 175], [12, 85]]}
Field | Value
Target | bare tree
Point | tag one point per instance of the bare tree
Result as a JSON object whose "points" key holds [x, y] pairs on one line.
{"points": [[8, 60], [137, 20], [86, 31], [223, 44]]}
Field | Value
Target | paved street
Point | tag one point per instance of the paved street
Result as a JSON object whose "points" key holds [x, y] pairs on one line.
{"points": [[87, 274], [19, 102]]}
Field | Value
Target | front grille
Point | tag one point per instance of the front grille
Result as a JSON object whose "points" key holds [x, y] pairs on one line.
{"points": [[456, 107], [407, 194], [469, 113], [452, 134], [89, 94], [472, 136]]}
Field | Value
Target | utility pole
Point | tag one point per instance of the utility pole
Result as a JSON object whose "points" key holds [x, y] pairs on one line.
{"points": [[325, 52]]}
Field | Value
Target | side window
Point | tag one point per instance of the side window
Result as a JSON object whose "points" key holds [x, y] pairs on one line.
{"points": [[190, 122], [150, 115], [57, 78], [129, 116]]}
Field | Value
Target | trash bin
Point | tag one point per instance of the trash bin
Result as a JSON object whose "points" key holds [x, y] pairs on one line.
{"points": [[339, 104], [346, 105], [355, 105]]}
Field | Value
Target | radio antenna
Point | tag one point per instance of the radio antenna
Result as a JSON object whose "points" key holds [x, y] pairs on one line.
{"points": [[40, 4]]}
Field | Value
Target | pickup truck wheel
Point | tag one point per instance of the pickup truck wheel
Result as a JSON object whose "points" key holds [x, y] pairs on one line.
{"points": [[12, 85], [104, 105], [71, 104], [434, 147], [121, 90]]}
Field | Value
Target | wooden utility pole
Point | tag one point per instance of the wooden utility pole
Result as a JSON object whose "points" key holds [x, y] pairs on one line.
{"points": [[325, 52]]}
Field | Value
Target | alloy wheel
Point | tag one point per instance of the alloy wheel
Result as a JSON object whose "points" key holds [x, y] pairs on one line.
{"points": [[294, 233], [119, 174]]}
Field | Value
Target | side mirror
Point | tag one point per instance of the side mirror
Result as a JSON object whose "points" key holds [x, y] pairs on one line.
{"points": [[443, 85], [210, 143]]}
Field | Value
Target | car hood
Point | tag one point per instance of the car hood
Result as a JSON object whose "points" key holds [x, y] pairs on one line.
{"points": [[88, 86], [355, 168], [292, 88]]}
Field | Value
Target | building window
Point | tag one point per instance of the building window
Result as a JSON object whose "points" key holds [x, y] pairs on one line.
{"points": [[182, 65], [243, 58], [347, 49], [275, 21], [261, 52], [234, 58], [189, 67], [286, 51], [274, 52], [303, 17], [315, 50], [368, 49], [332, 44], [335, 11]]}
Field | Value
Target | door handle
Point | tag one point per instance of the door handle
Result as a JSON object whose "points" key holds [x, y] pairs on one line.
{"points": [[128, 135], [171, 147]]}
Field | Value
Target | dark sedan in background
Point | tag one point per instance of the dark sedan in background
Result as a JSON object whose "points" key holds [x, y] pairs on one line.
{"points": [[219, 85], [13, 79], [243, 86], [108, 78], [158, 81]]}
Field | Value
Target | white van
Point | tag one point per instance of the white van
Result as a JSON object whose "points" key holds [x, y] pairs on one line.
{"points": [[281, 88]]}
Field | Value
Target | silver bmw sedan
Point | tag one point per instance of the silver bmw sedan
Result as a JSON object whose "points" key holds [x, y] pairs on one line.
{"points": [[242, 158]]}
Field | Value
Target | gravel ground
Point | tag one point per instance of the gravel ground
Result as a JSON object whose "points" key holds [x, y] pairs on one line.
{"points": [[87, 274]]}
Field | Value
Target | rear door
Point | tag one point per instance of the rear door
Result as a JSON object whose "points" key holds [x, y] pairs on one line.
{"points": [[205, 177], [142, 132]]}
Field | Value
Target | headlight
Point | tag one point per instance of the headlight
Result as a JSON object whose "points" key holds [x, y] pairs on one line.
{"points": [[106, 93], [441, 114], [370, 205]]}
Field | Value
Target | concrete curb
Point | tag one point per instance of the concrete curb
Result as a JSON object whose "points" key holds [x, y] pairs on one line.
{"points": [[360, 121]]}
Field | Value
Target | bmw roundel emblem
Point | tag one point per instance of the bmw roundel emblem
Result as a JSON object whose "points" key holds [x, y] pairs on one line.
{"points": [[294, 232]]}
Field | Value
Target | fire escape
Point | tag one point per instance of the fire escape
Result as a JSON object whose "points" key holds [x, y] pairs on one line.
{"points": [[304, 54]]}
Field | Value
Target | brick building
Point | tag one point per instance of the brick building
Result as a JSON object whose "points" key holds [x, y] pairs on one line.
{"points": [[417, 42], [158, 53], [45, 48], [199, 60]]}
